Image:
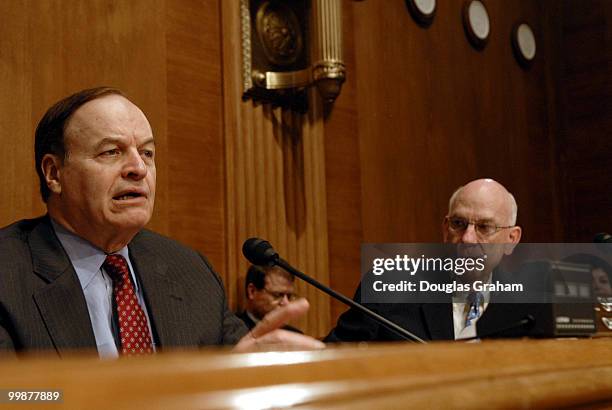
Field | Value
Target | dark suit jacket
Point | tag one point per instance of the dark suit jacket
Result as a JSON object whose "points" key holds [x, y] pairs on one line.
{"points": [[42, 306], [250, 324], [432, 321]]}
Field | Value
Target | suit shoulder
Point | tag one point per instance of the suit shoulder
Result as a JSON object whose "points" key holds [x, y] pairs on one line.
{"points": [[15, 238], [15, 251], [149, 234], [183, 263], [19, 230], [162, 243], [167, 248]]}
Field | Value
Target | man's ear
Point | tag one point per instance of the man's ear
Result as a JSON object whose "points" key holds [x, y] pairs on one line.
{"points": [[51, 166], [250, 291], [445, 229], [514, 237], [515, 234]]}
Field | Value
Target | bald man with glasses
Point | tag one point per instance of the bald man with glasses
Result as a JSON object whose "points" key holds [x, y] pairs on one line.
{"points": [[481, 214]]}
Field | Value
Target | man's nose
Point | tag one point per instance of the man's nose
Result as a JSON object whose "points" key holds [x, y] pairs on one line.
{"points": [[283, 300], [134, 166], [469, 235]]}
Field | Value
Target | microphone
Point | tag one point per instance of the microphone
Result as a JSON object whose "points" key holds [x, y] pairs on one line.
{"points": [[260, 252], [602, 237]]}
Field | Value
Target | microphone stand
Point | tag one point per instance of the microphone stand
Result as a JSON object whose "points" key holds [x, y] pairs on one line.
{"points": [[375, 316]]}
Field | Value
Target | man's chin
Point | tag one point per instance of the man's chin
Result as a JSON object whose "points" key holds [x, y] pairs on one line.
{"points": [[132, 220]]}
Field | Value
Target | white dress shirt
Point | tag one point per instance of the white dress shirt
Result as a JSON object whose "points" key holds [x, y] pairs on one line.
{"points": [[460, 311]]}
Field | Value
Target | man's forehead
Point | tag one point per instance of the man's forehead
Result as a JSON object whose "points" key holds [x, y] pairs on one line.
{"points": [[277, 279], [101, 107], [479, 207], [113, 114]]}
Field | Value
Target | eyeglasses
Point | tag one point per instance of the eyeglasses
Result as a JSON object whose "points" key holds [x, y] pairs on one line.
{"points": [[280, 295], [482, 229]]}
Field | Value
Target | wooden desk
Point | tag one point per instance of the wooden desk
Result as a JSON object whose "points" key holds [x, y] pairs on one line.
{"points": [[509, 374]]}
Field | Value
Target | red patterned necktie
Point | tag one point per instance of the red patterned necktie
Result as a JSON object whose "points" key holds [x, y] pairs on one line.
{"points": [[133, 325]]}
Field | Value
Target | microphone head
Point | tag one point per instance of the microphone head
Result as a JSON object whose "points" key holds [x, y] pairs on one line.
{"points": [[259, 252], [603, 237]]}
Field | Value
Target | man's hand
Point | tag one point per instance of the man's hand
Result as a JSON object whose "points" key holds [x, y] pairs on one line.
{"points": [[268, 333]]}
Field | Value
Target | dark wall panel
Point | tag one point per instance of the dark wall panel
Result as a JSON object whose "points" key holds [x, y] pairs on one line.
{"points": [[584, 80], [434, 113]]}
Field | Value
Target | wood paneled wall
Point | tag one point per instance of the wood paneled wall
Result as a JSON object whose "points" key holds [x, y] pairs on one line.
{"points": [[195, 191], [582, 41], [434, 113], [50, 49], [343, 178]]}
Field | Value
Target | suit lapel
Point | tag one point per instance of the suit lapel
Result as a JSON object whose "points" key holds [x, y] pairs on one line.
{"points": [[166, 301], [60, 301]]}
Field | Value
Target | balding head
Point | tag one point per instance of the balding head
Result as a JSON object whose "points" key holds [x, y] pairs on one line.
{"points": [[492, 191], [483, 202]]}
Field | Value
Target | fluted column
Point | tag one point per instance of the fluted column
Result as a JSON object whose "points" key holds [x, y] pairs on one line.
{"points": [[328, 71], [275, 181]]}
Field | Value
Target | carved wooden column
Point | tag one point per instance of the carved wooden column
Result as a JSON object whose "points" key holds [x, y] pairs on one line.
{"points": [[328, 70], [275, 181]]}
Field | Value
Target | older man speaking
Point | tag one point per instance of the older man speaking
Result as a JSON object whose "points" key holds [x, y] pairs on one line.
{"points": [[87, 275]]}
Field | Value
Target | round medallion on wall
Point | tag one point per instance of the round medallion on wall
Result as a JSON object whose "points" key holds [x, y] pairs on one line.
{"points": [[280, 33], [524, 44], [476, 23], [422, 11]]}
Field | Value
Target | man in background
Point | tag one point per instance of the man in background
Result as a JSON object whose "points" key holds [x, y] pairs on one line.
{"points": [[480, 213], [87, 275], [266, 288]]}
